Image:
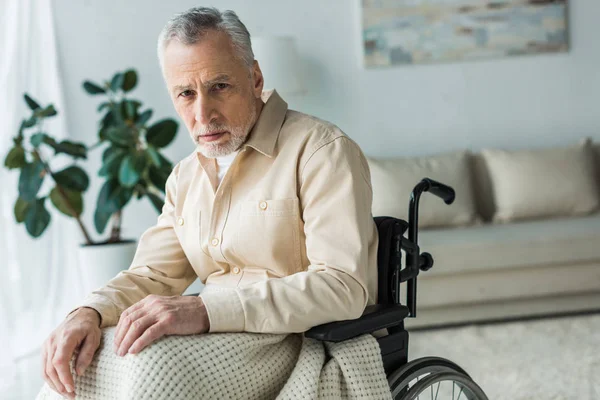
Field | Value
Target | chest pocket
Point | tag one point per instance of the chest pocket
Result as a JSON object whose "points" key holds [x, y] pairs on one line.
{"points": [[188, 229], [268, 235]]}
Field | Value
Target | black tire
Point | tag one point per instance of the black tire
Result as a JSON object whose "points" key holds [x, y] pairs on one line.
{"points": [[431, 384], [400, 379]]}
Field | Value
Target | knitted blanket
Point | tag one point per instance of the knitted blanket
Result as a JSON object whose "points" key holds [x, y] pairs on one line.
{"points": [[234, 366]]}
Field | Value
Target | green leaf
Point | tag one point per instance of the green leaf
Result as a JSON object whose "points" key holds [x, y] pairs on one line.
{"points": [[30, 180], [108, 119], [108, 151], [46, 112], [120, 136], [31, 102], [112, 198], [162, 133], [112, 162], [28, 123], [157, 202], [49, 141], [37, 139], [20, 209], [103, 105], [92, 88], [154, 156], [158, 177], [15, 158], [117, 81], [73, 178], [101, 219], [129, 109], [130, 80], [118, 114], [131, 169], [106, 123], [143, 118], [73, 197], [165, 164], [37, 218], [77, 150]]}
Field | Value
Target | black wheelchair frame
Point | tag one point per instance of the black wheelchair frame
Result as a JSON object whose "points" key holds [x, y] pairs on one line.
{"points": [[389, 313]]}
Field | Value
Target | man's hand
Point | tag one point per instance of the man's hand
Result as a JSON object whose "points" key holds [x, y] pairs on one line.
{"points": [[80, 330], [156, 316]]}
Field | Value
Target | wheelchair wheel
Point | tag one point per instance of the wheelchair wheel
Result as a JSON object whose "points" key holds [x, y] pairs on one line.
{"points": [[404, 378], [445, 385]]}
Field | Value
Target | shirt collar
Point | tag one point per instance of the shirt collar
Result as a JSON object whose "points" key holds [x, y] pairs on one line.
{"points": [[263, 136]]}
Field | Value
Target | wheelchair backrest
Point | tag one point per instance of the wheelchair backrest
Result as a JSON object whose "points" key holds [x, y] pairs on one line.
{"points": [[388, 228]]}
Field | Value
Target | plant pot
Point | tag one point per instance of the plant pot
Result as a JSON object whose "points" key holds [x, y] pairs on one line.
{"points": [[101, 262]]}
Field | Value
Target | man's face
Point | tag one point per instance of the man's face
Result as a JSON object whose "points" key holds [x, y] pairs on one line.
{"points": [[213, 91]]}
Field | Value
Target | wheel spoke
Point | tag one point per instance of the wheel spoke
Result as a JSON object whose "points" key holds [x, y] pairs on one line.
{"points": [[460, 393], [438, 390]]}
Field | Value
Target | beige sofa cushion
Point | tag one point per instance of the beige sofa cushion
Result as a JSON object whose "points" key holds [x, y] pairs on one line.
{"points": [[523, 244], [508, 261], [530, 184], [394, 179]]}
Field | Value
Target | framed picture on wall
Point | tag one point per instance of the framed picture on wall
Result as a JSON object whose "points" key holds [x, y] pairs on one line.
{"points": [[397, 32]]}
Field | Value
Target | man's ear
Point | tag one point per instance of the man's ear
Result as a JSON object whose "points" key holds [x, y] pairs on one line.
{"points": [[258, 81]]}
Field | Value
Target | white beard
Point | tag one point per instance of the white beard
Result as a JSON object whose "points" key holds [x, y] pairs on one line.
{"points": [[237, 137]]}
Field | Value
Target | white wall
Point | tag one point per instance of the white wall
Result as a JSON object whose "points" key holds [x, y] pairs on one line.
{"points": [[514, 103]]}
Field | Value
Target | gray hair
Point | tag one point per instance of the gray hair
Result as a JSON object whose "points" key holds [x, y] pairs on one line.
{"points": [[190, 26]]}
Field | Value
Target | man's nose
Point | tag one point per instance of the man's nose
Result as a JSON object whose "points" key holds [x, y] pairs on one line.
{"points": [[205, 110]]}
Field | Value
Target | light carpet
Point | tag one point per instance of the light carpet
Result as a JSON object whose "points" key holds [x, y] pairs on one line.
{"points": [[550, 359]]}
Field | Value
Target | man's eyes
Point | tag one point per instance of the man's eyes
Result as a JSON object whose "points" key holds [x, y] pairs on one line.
{"points": [[217, 87], [220, 86]]}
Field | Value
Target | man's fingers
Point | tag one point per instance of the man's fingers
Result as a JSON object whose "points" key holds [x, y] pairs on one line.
{"points": [[47, 378], [151, 335], [136, 329], [86, 353], [124, 327], [61, 360], [126, 318], [54, 381]]}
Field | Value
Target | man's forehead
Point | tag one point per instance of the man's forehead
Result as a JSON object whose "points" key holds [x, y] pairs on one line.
{"points": [[186, 64]]}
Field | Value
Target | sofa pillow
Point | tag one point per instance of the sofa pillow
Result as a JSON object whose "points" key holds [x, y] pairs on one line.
{"points": [[529, 184], [394, 179]]}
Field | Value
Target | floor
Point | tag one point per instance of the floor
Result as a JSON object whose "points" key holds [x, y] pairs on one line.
{"points": [[546, 359]]}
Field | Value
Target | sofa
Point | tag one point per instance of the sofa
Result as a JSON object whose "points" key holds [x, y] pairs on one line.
{"points": [[522, 238]]}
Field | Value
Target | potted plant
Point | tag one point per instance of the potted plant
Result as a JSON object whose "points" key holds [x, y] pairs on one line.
{"points": [[132, 166]]}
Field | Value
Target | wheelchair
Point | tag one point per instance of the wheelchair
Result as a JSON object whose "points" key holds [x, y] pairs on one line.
{"points": [[423, 378]]}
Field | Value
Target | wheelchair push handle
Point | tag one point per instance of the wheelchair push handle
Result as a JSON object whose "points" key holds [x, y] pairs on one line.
{"points": [[442, 191], [417, 261]]}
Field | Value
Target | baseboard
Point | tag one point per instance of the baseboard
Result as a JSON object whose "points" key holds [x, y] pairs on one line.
{"points": [[540, 307]]}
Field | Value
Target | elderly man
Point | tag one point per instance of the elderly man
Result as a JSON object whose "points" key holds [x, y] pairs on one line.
{"points": [[271, 211]]}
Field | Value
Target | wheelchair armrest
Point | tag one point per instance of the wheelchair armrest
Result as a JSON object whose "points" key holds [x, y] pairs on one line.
{"points": [[374, 318]]}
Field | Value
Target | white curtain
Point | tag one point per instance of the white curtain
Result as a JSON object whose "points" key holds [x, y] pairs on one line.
{"points": [[39, 281]]}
